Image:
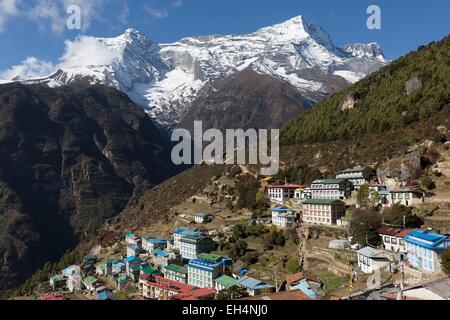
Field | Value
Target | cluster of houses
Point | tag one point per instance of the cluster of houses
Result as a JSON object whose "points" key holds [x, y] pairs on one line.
{"points": [[181, 268], [324, 201], [420, 249]]}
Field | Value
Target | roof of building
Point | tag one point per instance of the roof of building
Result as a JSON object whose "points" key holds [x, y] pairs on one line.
{"points": [[185, 232], [119, 264], [176, 268], [281, 296], [209, 257], [300, 276], [171, 285], [286, 186], [295, 277], [394, 232], [355, 169], [226, 281], [439, 286], [323, 202], [135, 248], [130, 259], [207, 264], [406, 191], [52, 297], [252, 283], [90, 280], [427, 239], [281, 209], [112, 261], [158, 241], [330, 181], [122, 278], [105, 295], [147, 269], [130, 235], [201, 214], [194, 239], [373, 253], [196, 294], [163, 254]]}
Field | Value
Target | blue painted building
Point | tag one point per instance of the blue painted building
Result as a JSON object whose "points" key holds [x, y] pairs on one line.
{"points": [[203, 270], [181, 233], [255, 287], [424, 249]]}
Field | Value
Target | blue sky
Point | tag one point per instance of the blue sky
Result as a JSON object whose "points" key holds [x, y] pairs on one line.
{"points": [[35, 28]]}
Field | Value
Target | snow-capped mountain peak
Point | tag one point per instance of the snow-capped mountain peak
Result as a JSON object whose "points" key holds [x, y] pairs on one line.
{"points": [[292, 30]]}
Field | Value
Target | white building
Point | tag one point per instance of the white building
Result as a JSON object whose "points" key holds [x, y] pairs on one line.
{"points": [[181, 233], [192, 246], [283, 217], [393, 240], [203, 270], [303, 194], [282, 193], [370, 259], [335, 189], [176, 273], [406, 197], [355, 176], [202, 218]]}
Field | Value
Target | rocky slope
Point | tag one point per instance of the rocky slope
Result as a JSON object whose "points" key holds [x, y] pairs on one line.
{"points": [[244, 100], [70, 159], [166, 78]]}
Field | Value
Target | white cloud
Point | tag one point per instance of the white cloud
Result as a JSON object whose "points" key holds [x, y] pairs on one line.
{"points": [[87, 51], [48, 10], [155, 12], [8, 9], [28, 69], [54, 12], [177, 3]]}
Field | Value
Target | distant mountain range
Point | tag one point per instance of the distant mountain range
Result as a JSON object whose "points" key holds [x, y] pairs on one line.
{"points": [[166, 79]]}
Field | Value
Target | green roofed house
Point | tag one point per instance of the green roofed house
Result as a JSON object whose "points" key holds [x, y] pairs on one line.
{"points": [[176, 273], [91, 284], [122, 281], [323, 211], [225, 282], [336, 189], [147, 269]]}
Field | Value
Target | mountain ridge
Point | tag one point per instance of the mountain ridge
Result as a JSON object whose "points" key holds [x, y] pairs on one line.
{"points": [[166, 78]]}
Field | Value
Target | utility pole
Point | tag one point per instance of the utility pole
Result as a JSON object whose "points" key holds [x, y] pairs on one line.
{"points": [[402, 281]]}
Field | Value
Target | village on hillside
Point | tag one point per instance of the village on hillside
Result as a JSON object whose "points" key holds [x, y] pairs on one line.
{"points": [[349, 237]]}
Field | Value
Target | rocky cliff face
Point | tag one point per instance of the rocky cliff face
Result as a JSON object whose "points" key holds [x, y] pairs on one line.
{"points": [[70, 159]]}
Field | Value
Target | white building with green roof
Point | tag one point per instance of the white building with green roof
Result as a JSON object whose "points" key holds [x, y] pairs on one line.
{"points": [[323, 211], [176, 273], [225, 282], [334, 189]]}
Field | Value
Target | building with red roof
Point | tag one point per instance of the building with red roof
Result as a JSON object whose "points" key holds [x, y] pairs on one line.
{"points": [[197, 294], [52, 297], [160, 288], [282, 193], [393, 239]]}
